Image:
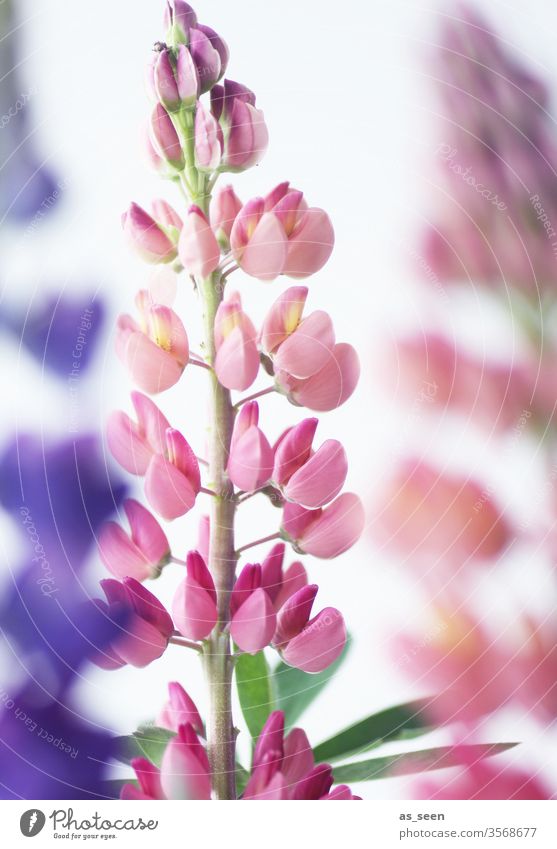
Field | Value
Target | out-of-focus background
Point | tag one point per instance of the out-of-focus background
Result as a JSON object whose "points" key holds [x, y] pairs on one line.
{"points": [[349, 96]]}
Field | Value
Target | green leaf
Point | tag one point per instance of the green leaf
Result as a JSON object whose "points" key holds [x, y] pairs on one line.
{"points": [[397, 723], [254, 690], [412, 762], [296, 690], [148, 741]]}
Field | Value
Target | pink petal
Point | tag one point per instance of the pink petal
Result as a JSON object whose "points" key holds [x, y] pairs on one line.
{"points": [[311, 244], [251, 460], [181, 454], [193, 610], [120, 555], [147, 534], [296, 520], [294, 615], [293, 450], [265, 254], [152, 368], [168, 491], [198, 248], [298, 756], [294, 578], [319, 644], [321, 478], [253, 625], [179, 709], [142, 644], [237, 360], [283, 318], [149, 778], [333, 385], [127, 445], [152, 422], [309, 348], [339, 526], [182, 774]]}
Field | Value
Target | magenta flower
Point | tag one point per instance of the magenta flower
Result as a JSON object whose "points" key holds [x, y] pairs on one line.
{"points": [[180, 709], [279, 234], [185, 769], [141, 554], [237, 360], [243, 132], [309, 644], [327, 532], [149, 780], [194, 607], [155, 350], [146, 628], [253, 618], [133, 444], [307, 477], [172, 480], [198, 248]]}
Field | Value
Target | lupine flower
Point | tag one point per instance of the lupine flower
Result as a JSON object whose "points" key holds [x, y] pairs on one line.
{"points": [[225, 206], [185, 769], [208, 140], [198, 247], [146, 626], [279, 234], [280, 583], [179, 710], [307, 477], [140, 555], [309, 644], [148, 238], [208, 50], [237, 360], [327, 532], [484, 780], [310, 367], [166, 138], [155, 350], [58, 331], [253, 619], [284, 767], [172, 480], [194, 607], [251, 457], [435, 514], [432, 368], [149, 780], [133, 444], [243, 130]]}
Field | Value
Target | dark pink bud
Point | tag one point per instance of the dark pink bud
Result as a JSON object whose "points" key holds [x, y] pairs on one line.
{"points": [[316, 784], [271, 738], [271, 571], [294, 615], [206, 58], [166, 137], [165, 82], [247, 581]]}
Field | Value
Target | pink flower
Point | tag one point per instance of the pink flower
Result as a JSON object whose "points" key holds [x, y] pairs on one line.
{"points": [[307, 477], [175, 79], [310, 367], [147, 237], [194, 607], [253, 619], [140, 555], [198, 247], [242, 127], [279, 234], [145, 626], [172, 480], [165, 138], [237, 360], [155, 350], [185, 770], [208, 140], [179, 710], [225, 206], [284, 767], [280, 583], [149, 779], [327, 532], [427, 513], [251, 457], [133, 444], [485, 780], [309, 644]]}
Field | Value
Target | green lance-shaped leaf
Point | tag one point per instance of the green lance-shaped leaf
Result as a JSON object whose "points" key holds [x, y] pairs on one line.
{"points": [[296, 690], [396, 723], [253, 682], [409, 763]]}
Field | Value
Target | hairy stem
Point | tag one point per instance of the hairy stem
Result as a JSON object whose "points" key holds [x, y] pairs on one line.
{"points": [[222, 561]]}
